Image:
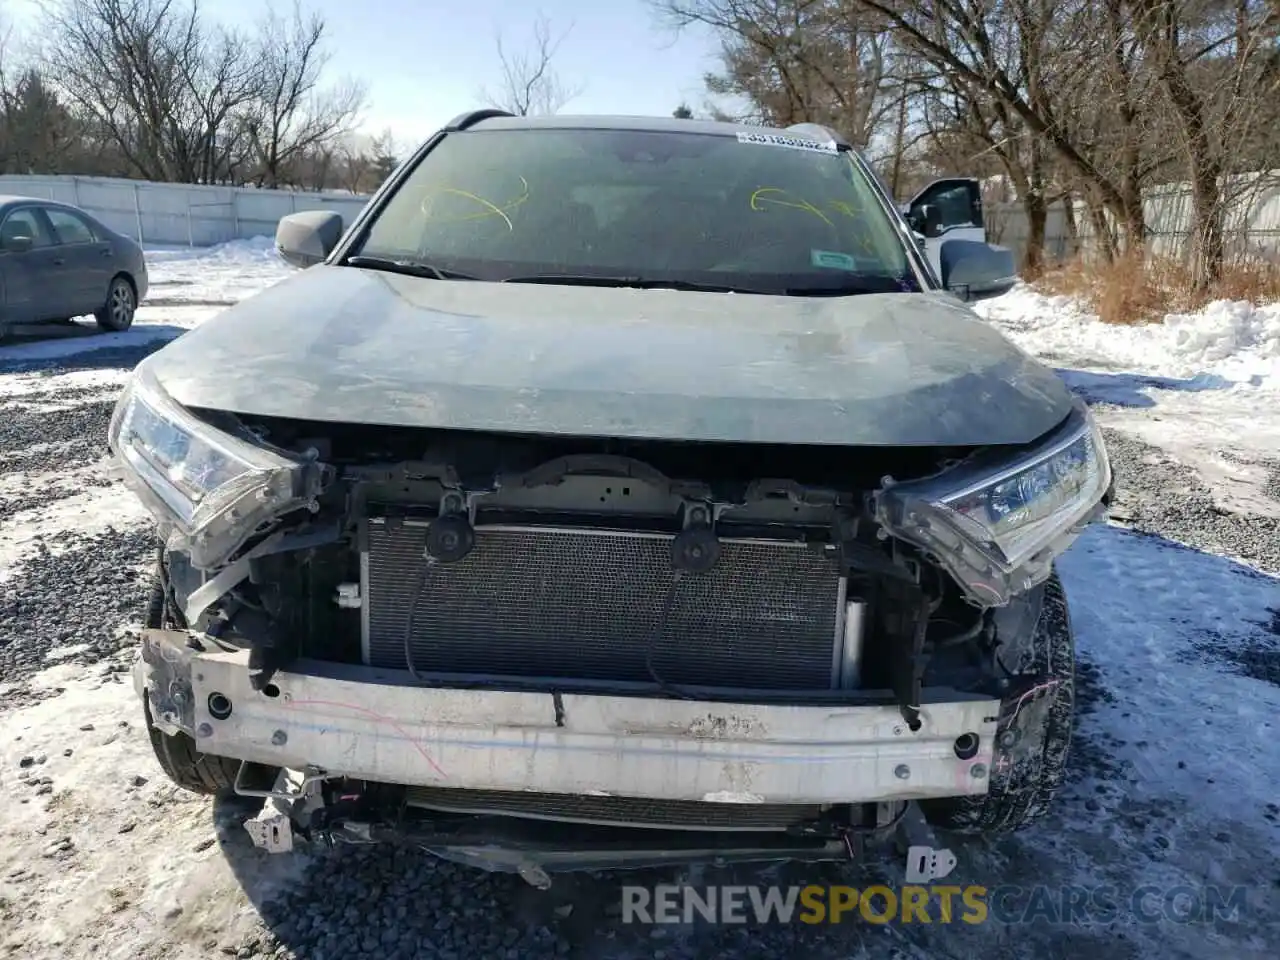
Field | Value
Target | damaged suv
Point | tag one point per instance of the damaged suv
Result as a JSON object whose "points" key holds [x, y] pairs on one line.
{"points": [[613, 492]]}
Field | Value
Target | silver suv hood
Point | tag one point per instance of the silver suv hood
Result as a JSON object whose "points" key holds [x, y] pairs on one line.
{"points": [[341, 344]]}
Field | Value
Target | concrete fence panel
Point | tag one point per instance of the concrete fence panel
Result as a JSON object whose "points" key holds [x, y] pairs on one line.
{"points": [[179, 213]]}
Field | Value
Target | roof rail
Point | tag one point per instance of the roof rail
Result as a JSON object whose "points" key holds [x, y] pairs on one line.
{"points": [[472, 117], [818, 131]]}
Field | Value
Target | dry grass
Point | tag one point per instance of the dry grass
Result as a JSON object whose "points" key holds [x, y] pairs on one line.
{"points": [[1131, 290]]}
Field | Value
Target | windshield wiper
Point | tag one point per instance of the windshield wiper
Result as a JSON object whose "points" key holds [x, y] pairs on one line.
{"points": [[638, 283], [410, 268], [847, 288], [853, 288]]}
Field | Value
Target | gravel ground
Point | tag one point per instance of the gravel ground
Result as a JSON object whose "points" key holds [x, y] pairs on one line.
{"points": [[68, 600], [50, 493], [1271, 483], [1161, 496], [72, 593], [81, 427]]}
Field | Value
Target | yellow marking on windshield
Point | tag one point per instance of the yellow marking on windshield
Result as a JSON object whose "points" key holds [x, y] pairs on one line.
{"points": [[497, 210], [491, 209], [845, 207], [860, 240], [796, 203]]}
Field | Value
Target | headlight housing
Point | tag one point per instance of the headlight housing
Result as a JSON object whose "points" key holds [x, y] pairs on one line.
{"points": [[997, 526], [209, 491]]}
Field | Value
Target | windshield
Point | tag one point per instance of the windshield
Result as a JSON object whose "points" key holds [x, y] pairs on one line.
{"points": [[755, 212]]}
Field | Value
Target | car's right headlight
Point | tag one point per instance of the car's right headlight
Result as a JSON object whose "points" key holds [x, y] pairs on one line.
{"points": [[209, 491], [998, 524]]}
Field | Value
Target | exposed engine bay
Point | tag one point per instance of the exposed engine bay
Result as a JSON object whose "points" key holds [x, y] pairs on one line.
{"points": [[654, 569], [473, 639]]}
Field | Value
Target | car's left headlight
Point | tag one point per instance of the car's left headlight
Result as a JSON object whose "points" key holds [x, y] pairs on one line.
{"points": [[209, 490], [997, 526]]}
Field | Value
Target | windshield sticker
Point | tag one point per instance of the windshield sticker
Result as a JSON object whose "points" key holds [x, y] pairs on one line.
{"points": [[832, 260], [795, 143]]}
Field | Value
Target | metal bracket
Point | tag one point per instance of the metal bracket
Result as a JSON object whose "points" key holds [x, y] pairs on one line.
{"points": [[697, 513], [271, 829], [289, 785], [926, 859], [294, 792], [925, 863]]}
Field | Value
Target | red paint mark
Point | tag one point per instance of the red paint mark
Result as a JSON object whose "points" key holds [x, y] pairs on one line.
{"points": [[372, 715], [1047, 685]]}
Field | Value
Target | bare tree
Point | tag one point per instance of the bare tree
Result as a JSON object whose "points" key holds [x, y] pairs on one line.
{"points": [[362, 163], [1215, 63], [293, 115], [355, 162], [152, 79], [983, 46], [530, 86], [221, 77], [120, 62], [796, 60], [181, 100]]}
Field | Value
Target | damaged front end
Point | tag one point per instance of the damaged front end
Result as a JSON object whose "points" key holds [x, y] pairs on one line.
{"points": [[534, 652]]}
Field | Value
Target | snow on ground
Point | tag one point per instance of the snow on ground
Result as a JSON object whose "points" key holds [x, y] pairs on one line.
{"points": [[213, 277], [1202, 386], [1234, 341], [1176, 606]]}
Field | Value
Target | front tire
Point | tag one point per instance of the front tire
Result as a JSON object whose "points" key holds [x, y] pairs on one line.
{"points": [[1033, 737], [176, 753], [186, 766], [116, 314]]}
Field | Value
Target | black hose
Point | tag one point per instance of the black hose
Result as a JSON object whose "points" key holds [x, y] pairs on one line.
{"points": [[668, 604], [962, 637]]}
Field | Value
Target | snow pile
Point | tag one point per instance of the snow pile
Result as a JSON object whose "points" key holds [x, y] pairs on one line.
{"points": [[213, 276], [1237, 341], [1228, 330], [249, 251]]}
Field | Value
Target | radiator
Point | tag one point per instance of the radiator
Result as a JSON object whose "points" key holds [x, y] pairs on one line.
{"points": [[581, 604]]}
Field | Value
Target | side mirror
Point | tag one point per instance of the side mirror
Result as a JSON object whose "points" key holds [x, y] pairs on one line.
{"points": [[18, 243], [973, 270], [305, 239]]}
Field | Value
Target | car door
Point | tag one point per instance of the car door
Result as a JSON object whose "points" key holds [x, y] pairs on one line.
{"points": [[89, 259], [32, 268], [948, 209]]}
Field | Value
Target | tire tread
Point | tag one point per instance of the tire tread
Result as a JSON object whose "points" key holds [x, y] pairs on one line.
{"points": [[1019, 798]]}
